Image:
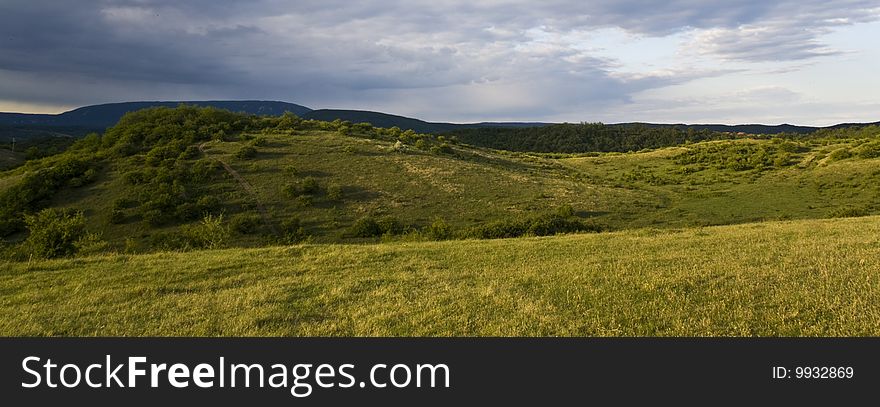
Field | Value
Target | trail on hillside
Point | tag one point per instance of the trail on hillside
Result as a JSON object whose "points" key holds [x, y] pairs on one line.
{"points": [[247, 187]]}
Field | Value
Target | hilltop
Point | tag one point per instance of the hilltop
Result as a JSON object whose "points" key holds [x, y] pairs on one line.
{"points": [[99, 117]]}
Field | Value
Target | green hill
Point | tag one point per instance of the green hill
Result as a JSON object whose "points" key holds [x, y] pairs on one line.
{"points": [[810, 278], [151, 183]]}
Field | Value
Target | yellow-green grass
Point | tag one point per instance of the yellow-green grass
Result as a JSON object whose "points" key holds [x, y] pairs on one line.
{"points": [[805, 277]]}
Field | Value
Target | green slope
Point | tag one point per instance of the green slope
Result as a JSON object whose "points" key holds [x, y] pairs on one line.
{"points": [[816, 277], [361, 172]]}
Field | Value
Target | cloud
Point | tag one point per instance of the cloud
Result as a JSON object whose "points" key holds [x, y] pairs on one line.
{"points": [[442, 60]]}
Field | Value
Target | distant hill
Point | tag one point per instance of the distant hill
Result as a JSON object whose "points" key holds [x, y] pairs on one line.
{"points": [[405, 123], [106, 115], [81, 121]]}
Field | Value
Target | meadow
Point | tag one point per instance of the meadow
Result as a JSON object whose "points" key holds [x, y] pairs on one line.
{"points": [[791, 278]]}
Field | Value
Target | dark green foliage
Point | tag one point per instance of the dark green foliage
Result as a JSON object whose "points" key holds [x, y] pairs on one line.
{"points": [[308, 186], [246, 152], [840, 154], [189, 153], [54, 233], [848, 212], [389, 225], [738, 156], [292, 232], [366, 226], [145, 129], [117, 216], [582, 138], [438, 230], [869, 150], [244, 224], [369, 226], [209, 233], [442, 148], [26, 195], [560, 221]]}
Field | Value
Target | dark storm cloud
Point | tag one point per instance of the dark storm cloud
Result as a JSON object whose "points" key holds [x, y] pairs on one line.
{"points": [[462, 59]]}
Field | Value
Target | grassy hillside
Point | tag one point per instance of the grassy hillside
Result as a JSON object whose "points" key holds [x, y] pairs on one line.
{"points": [[815, 277], [149, 183]]}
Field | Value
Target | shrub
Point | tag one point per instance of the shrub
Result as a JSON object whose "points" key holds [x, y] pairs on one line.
{"points": [[209, 233], [334, 192], [260, 142], [848, 212], [246, 152], [438, 230], [244, 223], [869, 150], [91, 243], [86, 178], [153, 217], [442, 148], [53, 233], [389, 225], [117, 216], [309, 185], [839, 154], [292, 232], [208, 203], [563, 220], [190, 153], [366, 226], [134, 177]]}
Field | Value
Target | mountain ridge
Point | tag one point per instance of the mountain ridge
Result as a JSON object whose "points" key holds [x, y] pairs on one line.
{"points": [[99, 117]]}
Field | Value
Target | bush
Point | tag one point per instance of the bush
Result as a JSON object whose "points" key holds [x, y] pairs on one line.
{"points": [[244, 223], [839, 154], [443, 148], [91, 243], [209, 233], [309, 185], [54, 233], [292, 232], [562, 220], [260, 142], [190, 153], [334, 192], [366, 226], [869, 150], [117, 216], [438, 230], [153, 217], [848, 212], [389, 225], [208, 203], [246, 152]]}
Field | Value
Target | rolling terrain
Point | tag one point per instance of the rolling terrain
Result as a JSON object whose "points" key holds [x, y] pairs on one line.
{"points": [[199, 221]]}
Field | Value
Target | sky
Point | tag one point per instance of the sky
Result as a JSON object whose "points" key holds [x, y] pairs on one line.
{"points": [[807, 62]]}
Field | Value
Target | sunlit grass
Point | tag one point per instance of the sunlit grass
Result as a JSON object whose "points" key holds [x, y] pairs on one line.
{"points": [[811, 278]]}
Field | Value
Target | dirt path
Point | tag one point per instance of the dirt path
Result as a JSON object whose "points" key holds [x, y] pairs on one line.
{"points": [[247, 187]]}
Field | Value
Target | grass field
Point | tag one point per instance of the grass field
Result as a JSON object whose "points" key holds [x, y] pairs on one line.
{"points": [[805, 277]]}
